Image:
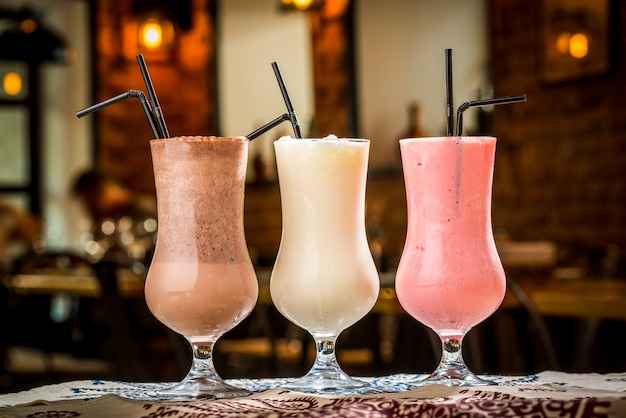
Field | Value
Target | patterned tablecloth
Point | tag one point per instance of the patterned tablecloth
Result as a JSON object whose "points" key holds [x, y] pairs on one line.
{"points": [[547, 394]]}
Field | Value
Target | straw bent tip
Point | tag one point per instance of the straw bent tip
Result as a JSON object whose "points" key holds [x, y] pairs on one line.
{"points": [[135, 94]]}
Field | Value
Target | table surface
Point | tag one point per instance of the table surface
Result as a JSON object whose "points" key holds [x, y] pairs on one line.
{"points": [[547, 394]]}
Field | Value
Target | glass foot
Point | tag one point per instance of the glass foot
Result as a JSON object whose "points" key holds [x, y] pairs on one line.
{"points": [[460, 376], [201, 388], [328, 382], [326, 376]]}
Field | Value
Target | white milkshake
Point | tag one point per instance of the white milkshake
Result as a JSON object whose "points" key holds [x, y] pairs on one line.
{"points": [[324, 278]]}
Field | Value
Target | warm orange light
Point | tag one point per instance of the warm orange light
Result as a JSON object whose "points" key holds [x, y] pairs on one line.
{"points": [[578, 45], [12, 83], [151, 34], [562, 42], [302, 4], [28, 25], [335, 8]]}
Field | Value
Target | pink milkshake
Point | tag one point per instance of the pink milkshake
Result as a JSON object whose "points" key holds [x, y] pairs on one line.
{"points": [[201, 282], [450, 277]]}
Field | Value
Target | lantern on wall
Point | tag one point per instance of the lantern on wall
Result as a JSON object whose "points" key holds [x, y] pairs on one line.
{"points": [[155, 33], [154, 27], [576, 39]]}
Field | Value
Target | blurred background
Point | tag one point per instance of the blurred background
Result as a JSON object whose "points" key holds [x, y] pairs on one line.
{"points": [[77, 221]]}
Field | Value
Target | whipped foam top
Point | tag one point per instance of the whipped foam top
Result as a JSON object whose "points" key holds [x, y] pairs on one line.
{"points": [[328, 138]]}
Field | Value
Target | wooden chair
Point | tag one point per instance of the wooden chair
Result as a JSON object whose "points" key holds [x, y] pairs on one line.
{"points": [[43, 333]]}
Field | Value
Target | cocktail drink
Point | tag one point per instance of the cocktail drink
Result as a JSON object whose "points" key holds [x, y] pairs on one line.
{"points": [[324, 278], [450, 277], [201, 282]]}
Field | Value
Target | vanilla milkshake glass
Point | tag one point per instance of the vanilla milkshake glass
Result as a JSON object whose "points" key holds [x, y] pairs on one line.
{"points": [[201, 282], [324, 278], [450, 277]]}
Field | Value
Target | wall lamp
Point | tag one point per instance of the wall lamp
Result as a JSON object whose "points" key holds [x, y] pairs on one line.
{"points": [[300, 5]]}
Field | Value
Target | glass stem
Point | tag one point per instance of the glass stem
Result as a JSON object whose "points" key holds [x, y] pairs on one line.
{"points": [[202, 365], [325, 375], [325, 357], [452, 356], [452, 370]]}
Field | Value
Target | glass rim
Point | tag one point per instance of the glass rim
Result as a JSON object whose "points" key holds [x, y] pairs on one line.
{"points": [[201, 138], [469, 138], [289, 139]]}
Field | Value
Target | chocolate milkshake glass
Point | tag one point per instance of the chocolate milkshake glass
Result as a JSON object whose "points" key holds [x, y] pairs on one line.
{"points": [[201, 282]]}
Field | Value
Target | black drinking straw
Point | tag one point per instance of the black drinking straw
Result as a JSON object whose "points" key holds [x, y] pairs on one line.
{"points": [[449, 105], [290, 115], [479, 103], [158, 113], [268, 126], [290, 110], [127, 95]]}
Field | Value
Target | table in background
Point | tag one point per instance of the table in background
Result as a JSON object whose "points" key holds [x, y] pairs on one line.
{"points": [[80, 283], [575, 298], [588, 302]]}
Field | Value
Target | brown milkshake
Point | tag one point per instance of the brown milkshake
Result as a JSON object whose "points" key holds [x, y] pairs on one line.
{"points": [[200, 183], [201, 282]]}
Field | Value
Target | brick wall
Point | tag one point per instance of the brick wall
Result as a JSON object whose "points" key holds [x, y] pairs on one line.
{"points": [[560, 168], [184, 83], [333, 77]]}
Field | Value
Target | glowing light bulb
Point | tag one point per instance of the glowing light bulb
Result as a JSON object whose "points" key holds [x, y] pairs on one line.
{"points": [[578, 45], [12, 83], [302, 4], [152, 34]]}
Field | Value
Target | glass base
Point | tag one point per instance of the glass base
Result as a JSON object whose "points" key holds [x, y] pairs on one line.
{"points": [[201, 388], [325, 381], [453, 376]]}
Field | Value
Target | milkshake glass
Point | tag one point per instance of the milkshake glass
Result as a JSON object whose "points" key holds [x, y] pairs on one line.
{"points": [[201, 282], [324, 278], [450, 277]]}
